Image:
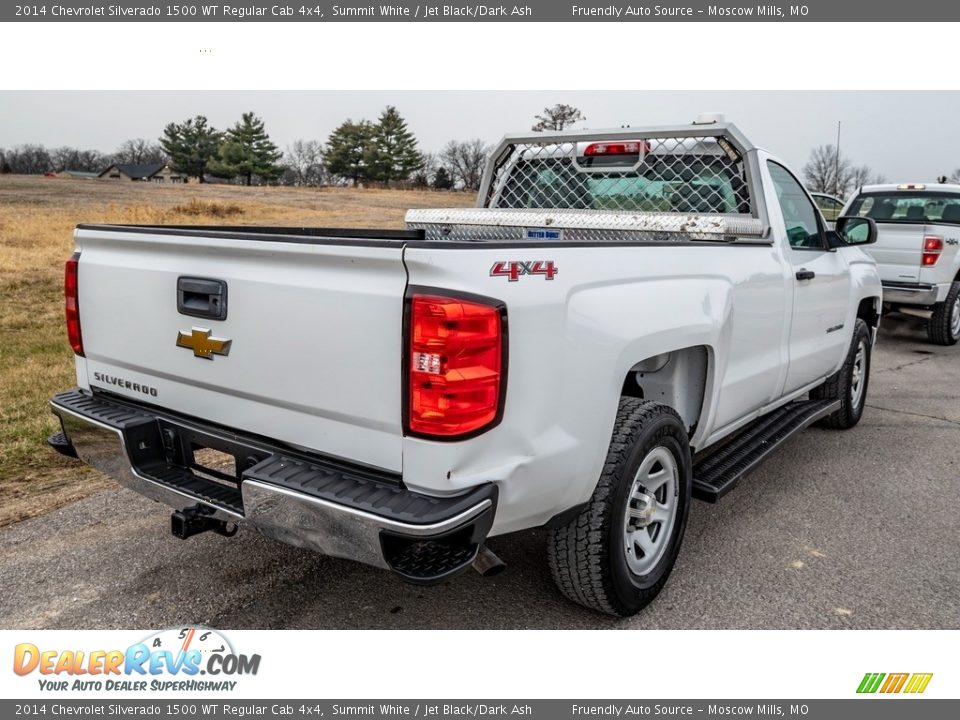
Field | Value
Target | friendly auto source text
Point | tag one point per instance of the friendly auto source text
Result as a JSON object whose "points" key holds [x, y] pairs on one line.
{"points": [[616, 11]]}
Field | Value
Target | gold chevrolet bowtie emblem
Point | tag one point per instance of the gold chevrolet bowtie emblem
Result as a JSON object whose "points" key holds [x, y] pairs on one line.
{"points": [[203, 346]]}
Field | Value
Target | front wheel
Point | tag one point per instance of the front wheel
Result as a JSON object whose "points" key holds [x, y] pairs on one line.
{"points": [[616, 555], [849, 384], [944, 325]]}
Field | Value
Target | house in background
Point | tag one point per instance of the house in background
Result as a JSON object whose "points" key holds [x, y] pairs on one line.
{"points": [[154, 172], [78, 174]]}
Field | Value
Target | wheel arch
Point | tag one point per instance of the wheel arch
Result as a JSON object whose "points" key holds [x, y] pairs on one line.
{"points": [[869, 310], [678, 378]]}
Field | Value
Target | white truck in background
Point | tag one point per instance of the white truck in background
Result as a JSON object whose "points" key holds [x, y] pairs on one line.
{"points": [[918, 233], [628, 319]]}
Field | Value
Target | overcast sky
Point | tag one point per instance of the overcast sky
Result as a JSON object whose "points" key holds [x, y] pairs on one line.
{"points": [[903, 135]]}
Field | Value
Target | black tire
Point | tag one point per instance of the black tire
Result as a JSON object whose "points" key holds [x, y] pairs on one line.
{"points": [[941, 329], [587, 556], [840, 386]]}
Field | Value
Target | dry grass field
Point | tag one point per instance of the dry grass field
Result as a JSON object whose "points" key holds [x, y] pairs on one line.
{"points": [[37, 216]]}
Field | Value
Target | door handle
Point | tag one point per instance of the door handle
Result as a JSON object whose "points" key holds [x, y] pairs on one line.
{"points": [[804, 274]]}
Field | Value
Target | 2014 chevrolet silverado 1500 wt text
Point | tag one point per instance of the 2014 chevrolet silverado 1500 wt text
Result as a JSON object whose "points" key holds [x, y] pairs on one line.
{"points": [[628, 319]]}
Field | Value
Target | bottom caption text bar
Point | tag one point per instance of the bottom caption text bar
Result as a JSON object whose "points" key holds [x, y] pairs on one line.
{"points": [[875, 708]]}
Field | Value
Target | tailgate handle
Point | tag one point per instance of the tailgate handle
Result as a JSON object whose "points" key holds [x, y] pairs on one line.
{"points": [[202, 297]]}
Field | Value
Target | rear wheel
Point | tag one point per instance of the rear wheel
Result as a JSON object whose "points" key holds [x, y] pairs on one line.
{"points": [[944, 325], [616, 555], [849, 384]]}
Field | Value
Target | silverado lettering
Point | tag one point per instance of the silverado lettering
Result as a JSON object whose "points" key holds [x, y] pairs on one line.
{"points": [[126, 384]]}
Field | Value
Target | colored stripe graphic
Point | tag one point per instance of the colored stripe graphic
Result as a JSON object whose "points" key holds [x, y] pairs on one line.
{"points": [[870, 682], [918, 682], [894, 683]]}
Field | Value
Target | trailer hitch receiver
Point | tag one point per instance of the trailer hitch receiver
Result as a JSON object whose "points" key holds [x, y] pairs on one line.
{"points": [[195, 520]]}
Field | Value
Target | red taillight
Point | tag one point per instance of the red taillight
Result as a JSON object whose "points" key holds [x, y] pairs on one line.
{"points": [[629, 147], [932, 247], [456, 365], [72, 303]]}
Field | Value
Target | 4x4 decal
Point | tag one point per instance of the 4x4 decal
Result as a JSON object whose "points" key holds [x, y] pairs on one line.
{"points": [[514, 269]]}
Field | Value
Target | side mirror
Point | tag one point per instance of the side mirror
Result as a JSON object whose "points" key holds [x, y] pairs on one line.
{"points": [[855, 230]]}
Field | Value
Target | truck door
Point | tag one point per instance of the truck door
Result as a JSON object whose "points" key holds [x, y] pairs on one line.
{"points": [[821, 284]]}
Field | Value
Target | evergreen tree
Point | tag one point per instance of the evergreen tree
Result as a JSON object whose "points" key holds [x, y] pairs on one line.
{"points": [[391, 153], [191, 145], [558, 117], [346, 148], [247, 151], [442, 179]]}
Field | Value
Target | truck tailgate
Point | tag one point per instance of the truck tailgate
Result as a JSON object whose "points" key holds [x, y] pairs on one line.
{"points": [[898, 250], [315, 335]]}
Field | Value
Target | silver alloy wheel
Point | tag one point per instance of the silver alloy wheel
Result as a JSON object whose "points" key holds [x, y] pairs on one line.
{"points": [[859, 374], [651, 510], [955, 319]]}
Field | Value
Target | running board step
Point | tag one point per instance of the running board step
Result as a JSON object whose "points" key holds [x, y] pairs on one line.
{"points": [[719, 472]]}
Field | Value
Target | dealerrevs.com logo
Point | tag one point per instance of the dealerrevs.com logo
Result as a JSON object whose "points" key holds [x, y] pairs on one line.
{"points": [[178, 659]]}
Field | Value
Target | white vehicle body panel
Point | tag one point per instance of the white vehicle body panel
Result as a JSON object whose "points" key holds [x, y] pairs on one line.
{"points": [[573, 342], [817, 305], [315, 359], [898, 250]]}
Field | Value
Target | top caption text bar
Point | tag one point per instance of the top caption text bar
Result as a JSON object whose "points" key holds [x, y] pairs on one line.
{"points": [[531, 11]]}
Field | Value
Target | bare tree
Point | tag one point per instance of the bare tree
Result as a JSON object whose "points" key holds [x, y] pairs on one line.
{"points": [[28, 160], [558, 117], [430, 163], [826, 171], [64, 158], [70, 158], [464, 161], [863, 175], [955, 176], [304, 158], [139, 151], [36, 159]]}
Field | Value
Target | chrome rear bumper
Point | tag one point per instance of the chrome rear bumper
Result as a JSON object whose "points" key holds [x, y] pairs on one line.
{"points": [[285, 496], [913, 293]]}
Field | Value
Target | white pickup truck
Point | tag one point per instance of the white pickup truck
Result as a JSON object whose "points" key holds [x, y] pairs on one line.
{"points": [[628, 319], [918, 233]]}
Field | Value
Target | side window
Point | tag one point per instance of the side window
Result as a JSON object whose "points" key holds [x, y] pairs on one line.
{"points": [[799, 214]]}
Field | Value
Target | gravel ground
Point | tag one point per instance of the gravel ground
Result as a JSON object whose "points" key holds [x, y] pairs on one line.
{"points": [[838, 530]]}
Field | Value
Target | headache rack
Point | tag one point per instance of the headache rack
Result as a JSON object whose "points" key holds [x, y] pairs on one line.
{"points": [[669, 184]]}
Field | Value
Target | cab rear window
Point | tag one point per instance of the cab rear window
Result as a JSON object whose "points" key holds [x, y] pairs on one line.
{"points": [[921, 207], [673, 184]]}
